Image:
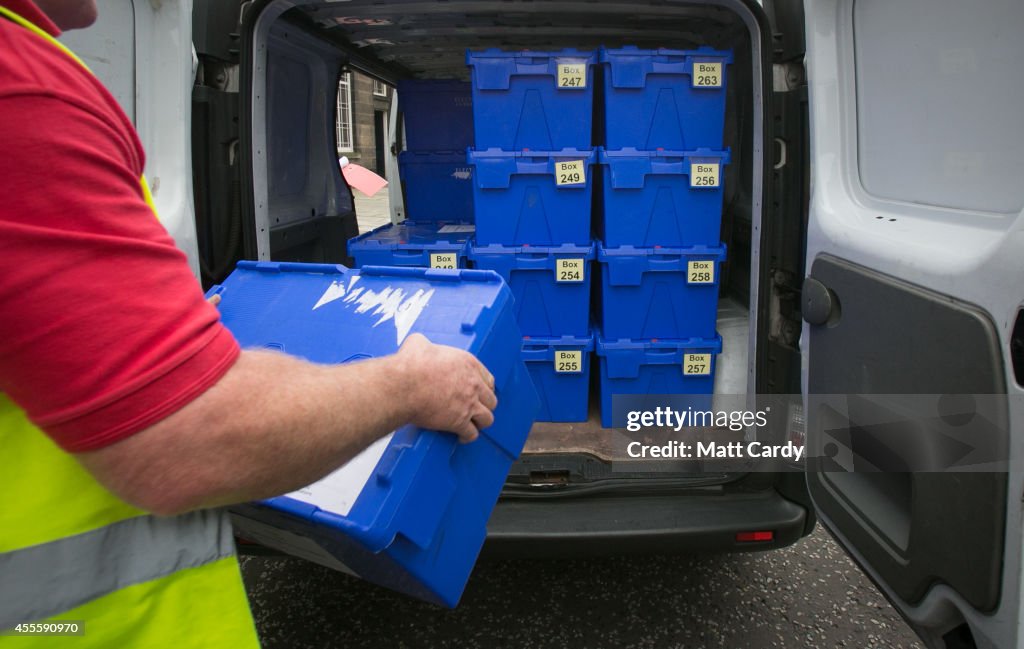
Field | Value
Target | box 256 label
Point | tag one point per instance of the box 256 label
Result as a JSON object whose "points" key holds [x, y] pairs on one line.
{"points": [[568, 362], [704, 174], [700, 272], [696, 364], [707, 75], [444, 260], [569, 270], [571, 172], [572, 75]]}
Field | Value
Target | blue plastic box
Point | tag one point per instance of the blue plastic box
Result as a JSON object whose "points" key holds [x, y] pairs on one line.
{"points": [[429, 245], [664, 99], [560, 369], [438, 186], [665, 198], [644, 367], [551, 285], [532, 100], [659, 292], [410, 513], [535, 198], [438, 114]]}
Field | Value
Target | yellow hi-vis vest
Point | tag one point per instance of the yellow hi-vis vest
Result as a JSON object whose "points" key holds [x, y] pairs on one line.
{"points": [[71, 550]]}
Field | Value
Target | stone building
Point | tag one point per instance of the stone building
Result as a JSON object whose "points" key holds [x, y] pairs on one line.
{"points": [[363, 108]]}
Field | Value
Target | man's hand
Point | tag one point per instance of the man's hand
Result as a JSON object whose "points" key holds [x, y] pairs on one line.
{"points": [[450, 389]]}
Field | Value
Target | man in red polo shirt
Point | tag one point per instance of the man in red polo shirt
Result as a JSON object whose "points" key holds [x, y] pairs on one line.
{"points": [[108, 349]]}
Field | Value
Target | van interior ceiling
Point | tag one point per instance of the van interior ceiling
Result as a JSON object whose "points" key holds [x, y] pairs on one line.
{"points": [[302, 207]]}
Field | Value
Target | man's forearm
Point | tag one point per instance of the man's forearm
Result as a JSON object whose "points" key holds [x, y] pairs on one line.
{"points": [[272, 424]]}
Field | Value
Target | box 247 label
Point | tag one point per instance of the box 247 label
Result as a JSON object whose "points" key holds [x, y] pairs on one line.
{"points": [[707, 75], [569, 270], [704, 174], [571, 172], [572, 75], [444, 260], [700, 272], [696, 364], [568, 362]]}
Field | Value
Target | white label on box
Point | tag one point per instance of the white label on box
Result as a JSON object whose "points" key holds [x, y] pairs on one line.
{"points": [[337, 492], [707, 75], [696, 364], [456, 229], [572, 172], [569, 270], [572, 75], [703, 174], [700, 272], [568, 362], [444, 260], [290, 543]]}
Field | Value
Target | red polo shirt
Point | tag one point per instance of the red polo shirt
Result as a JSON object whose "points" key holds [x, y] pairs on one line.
{"points": [[103, 328]]}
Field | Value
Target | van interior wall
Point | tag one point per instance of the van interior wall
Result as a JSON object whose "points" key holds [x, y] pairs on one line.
{"points": [[429, 40]]}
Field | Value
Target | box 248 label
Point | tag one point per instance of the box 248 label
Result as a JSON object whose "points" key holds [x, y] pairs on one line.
{"points": [[444, 260]]}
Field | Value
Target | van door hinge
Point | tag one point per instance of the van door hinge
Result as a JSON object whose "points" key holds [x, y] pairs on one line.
{"points": [[788, 76]]}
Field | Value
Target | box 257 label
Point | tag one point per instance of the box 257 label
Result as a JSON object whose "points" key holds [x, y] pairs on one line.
{"points": [[444, 260], [571, 172], [704, 174], [696, 364], [569, 270], [568, 362], [707, 75], [700, 272], [572, 75]]}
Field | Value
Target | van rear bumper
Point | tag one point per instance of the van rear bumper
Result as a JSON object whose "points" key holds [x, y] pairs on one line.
{"points": [[641, 524]]}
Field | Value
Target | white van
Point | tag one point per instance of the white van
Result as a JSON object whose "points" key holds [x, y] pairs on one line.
{"points": [[873, 218]]}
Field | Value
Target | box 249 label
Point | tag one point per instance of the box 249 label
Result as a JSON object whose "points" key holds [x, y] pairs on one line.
{"points": [[568, 362], [571, 172], [444, 260], [569, 270], [700, 272]]}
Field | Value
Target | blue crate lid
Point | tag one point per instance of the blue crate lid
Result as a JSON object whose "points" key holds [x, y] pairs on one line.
{"points": [[493, 69], [411, 235], [624, 357], [542, 348], [714, 253], [630, 166], [631, 65], [495, 167], [626, 265], [530, 252], [332, 314], [431, 157]]}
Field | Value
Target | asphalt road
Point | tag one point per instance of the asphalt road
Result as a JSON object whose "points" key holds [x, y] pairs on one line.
{"points": [[807, 595]]}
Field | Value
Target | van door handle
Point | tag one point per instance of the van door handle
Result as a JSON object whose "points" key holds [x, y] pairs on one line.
{"points": [[818, 304]]}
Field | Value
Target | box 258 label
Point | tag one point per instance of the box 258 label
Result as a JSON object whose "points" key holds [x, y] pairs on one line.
{"points": [[568, 362], [569, 270], [700, 272], [704, 174], [444, 260], [571, 172], [696, 364], [572, 75], [707, 75]]}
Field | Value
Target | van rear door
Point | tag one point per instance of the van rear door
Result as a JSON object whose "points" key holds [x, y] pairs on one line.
{"points": [[912, 304]]}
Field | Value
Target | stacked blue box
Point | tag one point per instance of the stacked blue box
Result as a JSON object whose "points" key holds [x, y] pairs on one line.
{"points": [[438, 186], [560, 369], [430, 245], [662, 198], [532, 198], [532, 100], [551, 285], [669, 293], [410, 512], [638, 370], [438, 114], [667, 99]]}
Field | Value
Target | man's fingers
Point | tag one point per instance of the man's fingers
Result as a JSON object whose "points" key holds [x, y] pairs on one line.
{"points": [[483, 418], [214, 299], [489, 399], [467, 433], [485, 374]]}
